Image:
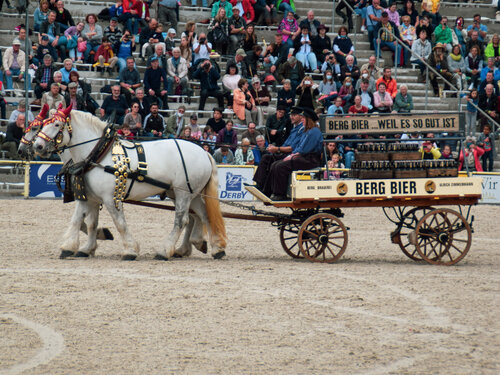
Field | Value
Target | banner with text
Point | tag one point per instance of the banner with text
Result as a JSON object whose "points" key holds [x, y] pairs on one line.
{"points": [[232, 180], [43, 181], [393, 124], [491, 188]]}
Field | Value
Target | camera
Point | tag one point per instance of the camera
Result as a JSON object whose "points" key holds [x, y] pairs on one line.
{"points": [[202, 40]]}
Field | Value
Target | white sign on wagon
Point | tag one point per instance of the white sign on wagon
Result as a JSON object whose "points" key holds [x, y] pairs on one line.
{"points": [[491, 187], [232, 180]]}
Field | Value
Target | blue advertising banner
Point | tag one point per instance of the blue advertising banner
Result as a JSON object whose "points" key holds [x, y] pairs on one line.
{"points": [[43, 181], [231, 180]]}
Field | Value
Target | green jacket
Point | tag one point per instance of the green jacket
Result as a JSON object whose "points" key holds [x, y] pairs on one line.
{"points": [[227, 6], [490, 51], [171, 126], [443, 36], [401, 105], [292, 4]]}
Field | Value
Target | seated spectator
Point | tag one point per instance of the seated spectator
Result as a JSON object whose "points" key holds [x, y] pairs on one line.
{"points": [[170, 41], [332, 164], [22, 38], [342, 46], [174, 127], [186, 51], [251, 133], [141, 14], [230, 83], [51, 29], [493, 50], [66, 70], [350, 70], [190, 33], [45, 48], [154, 123], [337, 108], [124, 49], [474, 41], [236, 25], [105, 57], [277, 126], [223, 155], [331, 63], [219, 31], [346, 91], [177, 71], [153, 78], [125, 133], [459, 34], [3, 104], [387, 39], [357, 107], [167, 13], [409, 10], [479, 27], [43, 78], [130, 80], [382, 99], [92, 33], [115, 10], [286, 6], [365, 94], [429, 151], [209, 137], [201, 50], [133, 120], [57, 78], [73, 36], [374, 70], [127, 17], [321, 43], [216, 123], [289, 27], [195, 128], [146, 36], [143, 101], [443, 34], [112, 31], [114, 102], [393, 14], [253, 60], [365, 74], [244, 104], [360, 10], [446, 153], [241, 63], [208, 76], [409, 35], [249, 40], [311, 23], [260, 150], [307, 93], [265, 12], [186, 134], [41, 14], [21, 109], [228, 136], [430, 9], [292, 70], [63, 16], [159, 53], [390, 83], [425, 25], [262, 99], [155, 45], [303, 50], [473, 67], [471, 161], [327, 89], [13, 63], [72, 97], [15, 131], [286, 97], [333, 148], [403, 103], [244, 154], [439, 62], [456, 64], [490, 67], [53, 98], [421, 50]]}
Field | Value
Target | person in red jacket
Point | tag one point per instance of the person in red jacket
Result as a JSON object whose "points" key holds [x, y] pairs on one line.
{"points": [[104, 55], [390, 83], [248, 9], [472, 156]]}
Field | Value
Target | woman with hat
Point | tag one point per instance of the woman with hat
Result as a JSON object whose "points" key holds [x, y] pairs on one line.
{"points": [[306, 156], [321, 43], [439, 62]]}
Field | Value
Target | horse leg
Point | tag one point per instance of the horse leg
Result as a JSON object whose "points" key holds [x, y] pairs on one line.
{"points": [[71, 240], [182, 202], [185, 249], [91, 220], [199, 233], [130, 246]]}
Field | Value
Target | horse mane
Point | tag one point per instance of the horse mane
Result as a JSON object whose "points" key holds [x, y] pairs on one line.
{"points": [[88, 119]]}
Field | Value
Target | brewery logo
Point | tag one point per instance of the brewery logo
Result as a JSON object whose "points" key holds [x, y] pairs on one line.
{"points": [[430, 187], [342, 188]]}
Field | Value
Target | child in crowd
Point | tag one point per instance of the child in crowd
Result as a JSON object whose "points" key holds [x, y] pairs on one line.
{"points": [[486, 141], [80, 49], [446, 153], [337, 108], [333, 163], [471, 114], [472, 156], [126, 133], [429, 151], [209, 136], [105, 55]]}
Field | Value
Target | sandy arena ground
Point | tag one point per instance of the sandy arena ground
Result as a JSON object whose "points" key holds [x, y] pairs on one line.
{"points": [[255, 312]]}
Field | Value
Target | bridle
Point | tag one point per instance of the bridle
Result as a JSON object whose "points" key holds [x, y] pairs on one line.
{"points": [[58, 138], [36, 123]]}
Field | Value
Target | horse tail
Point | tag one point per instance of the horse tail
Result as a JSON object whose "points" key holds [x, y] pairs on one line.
{"points": [[215, 219]]}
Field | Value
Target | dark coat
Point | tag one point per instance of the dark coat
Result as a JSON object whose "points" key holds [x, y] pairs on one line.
{"points": [[284, 71]]}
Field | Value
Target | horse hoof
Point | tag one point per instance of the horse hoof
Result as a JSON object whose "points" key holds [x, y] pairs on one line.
{"points": [[66, 253], [220, 255], [160, 257], [81, 254], [177, 255], [129, 257], [107, 234], [204, 247]]}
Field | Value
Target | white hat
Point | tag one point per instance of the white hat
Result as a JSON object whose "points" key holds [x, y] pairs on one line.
{"points": [[171, 31]]}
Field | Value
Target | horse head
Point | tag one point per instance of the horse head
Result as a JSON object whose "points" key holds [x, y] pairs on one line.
{"points": [[55, 133], [24, 150]]}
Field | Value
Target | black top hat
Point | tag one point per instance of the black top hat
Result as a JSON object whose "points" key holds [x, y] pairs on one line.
{"points": [[297, 111], [308, 112]]}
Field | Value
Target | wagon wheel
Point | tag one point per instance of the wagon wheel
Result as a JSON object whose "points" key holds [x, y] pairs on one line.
{"points": [[322, 238], [443, 237], [406, 227], [289, 233]]}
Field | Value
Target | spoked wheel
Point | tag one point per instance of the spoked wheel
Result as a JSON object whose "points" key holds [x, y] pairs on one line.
{"points": [[443, 237], [322, 238], [406, 229], [289, 233]]}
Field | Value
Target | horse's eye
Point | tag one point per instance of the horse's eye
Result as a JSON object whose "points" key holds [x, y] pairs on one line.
{"points": [[57, 124]]}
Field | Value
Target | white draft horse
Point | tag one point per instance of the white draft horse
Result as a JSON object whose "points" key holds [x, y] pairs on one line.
{"points": [[78, 132]]}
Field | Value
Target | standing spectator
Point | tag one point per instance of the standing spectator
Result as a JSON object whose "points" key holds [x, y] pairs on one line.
{"points": [[439, 62], [421, 50], [387, 37], [403, 103], [383, 100], [219, 31], [251, 133], [482, 29], [486, 141], [114, 102], [208, 77], [216, 123], [303, 50], [472, 157], [289, 28], [236, 30], [112, 31], [443, 34], [228, 136], [154, 123], [153, 78], [15, 131], [244, 104], [390, 83], [105, 55], [244, 155], [373, 18], [322, 45], [51, 29], [174, 127], [262, 99], [53, 98], [277, 125], [92, 33], [73, 35], [408, 34], [167, 13], [226, 5], [43, 78], [3, 103], [14, 64], [488, 102], [177, 71], [63, 16], [471, 114], [41, 14], [204, 3], [73, 98], [124, 49]]}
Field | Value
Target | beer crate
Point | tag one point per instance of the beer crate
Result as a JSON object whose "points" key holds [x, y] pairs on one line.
{"points": [[370, 174], [410, 173], [412, 155], [442, 172], [370, 156]]}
